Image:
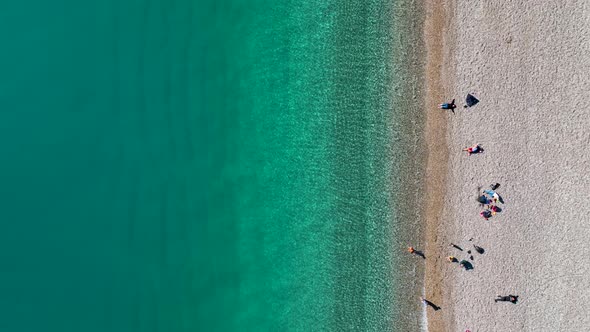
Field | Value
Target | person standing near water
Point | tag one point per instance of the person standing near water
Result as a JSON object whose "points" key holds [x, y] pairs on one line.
{"points": [[413, 251]]}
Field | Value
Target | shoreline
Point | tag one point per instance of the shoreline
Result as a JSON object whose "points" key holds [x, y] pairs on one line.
{"points": [[436, 37]]}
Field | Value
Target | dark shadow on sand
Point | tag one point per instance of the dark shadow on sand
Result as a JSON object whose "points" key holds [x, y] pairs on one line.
{"points": [[419, 253], [479, 249], [466, 265], [456, 247], [432, 305]]}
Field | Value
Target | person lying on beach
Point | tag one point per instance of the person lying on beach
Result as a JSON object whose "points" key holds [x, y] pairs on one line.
{"points": [[494, 209], [486, 214], [483, 200], [473, 149], [452, 259], [494, 195], [448, 106], [509, 298]]}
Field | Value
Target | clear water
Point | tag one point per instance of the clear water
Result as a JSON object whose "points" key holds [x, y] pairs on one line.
{"points": [[209, 165]]}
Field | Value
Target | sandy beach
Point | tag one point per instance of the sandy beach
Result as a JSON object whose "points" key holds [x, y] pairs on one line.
{"points": [[528, 65]]}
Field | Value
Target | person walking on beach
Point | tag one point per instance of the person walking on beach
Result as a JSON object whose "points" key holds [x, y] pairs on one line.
{"points": [[430, 304]]}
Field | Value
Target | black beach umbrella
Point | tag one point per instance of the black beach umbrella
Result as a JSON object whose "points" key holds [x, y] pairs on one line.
{"points": [[470, 100], [482, 199]]}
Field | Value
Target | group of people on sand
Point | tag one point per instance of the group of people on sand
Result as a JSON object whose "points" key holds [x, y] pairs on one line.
{"points": [[489, 199]]}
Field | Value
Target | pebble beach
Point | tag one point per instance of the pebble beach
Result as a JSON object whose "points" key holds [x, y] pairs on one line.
{"points": [[528, 65]]}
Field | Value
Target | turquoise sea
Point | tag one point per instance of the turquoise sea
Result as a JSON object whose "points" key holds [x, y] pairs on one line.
{"points": [[230, 165]]}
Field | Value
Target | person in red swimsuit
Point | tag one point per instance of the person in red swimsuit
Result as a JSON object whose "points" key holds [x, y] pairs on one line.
{"points": [[473, 149]]}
